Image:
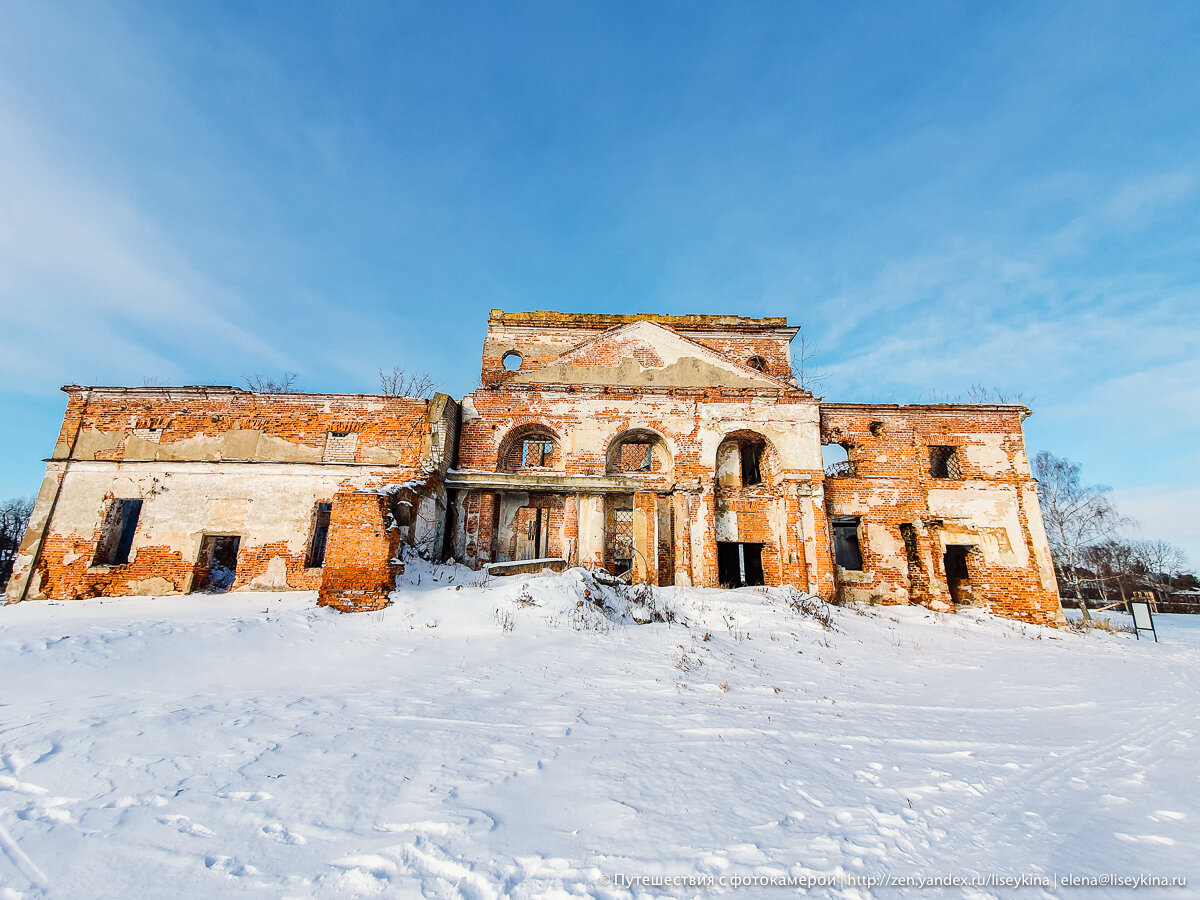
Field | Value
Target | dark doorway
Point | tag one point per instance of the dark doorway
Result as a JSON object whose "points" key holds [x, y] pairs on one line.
{"points": [[320, 535], [216, 567], [739, 564], [958, 577], [116, 537], [847, 552]]}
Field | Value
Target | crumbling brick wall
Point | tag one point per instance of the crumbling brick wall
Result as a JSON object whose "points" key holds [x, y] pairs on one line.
{"points": [[362, 557], [986, 501], [218, 461]]}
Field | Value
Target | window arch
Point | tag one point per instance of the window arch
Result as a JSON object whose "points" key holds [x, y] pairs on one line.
{"points": [[746, 459], [529, 447], [638, 451], [757, 362]]}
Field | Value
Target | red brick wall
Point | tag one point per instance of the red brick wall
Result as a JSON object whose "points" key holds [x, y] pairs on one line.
{"points": [[890, 486], [359, 569], [396, 424]]}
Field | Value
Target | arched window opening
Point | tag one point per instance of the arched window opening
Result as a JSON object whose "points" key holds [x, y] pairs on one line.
{"points": [[836, 459], [745, 459], [757, 362], [638, 452], [512, 360], [530, 447]]}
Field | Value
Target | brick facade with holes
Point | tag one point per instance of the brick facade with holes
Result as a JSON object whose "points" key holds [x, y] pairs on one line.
{"points": [[227, 463], [735, 470], [667, 449]]}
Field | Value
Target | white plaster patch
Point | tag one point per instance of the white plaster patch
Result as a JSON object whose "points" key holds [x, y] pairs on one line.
{"points": [[274, 578]]}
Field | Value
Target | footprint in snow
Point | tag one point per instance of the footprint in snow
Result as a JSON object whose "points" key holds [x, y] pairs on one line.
{"points": [[1144, 838], [229, 866], [184, 825], [278, 832], [251, 796], [1168, 815]]}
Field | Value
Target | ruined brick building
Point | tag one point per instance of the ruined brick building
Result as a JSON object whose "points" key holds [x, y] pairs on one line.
{"points": [[671, 450]]}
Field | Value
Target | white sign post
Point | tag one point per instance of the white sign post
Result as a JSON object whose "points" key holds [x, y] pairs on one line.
{"points": [[1143, 618]]}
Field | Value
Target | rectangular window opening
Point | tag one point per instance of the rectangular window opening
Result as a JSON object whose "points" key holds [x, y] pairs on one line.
{"points": [[620, 539], [116, 536], [751, 463], [847, 552], [944, 462], [216, 566], [320, 535]]}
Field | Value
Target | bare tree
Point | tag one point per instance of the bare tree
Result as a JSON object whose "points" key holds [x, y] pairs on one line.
{"points": [[978, 393], [1162, 560], [806, 374], [398, 383], [1075, 516], [1114, 563], [14, 518], [262, 384]]}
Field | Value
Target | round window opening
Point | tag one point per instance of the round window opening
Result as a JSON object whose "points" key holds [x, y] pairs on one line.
{"points": [[757, 362], [511, 360]]}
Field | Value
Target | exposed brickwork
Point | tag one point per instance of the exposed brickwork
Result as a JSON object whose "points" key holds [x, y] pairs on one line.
{"points": [[658, 443], [228, 423], [224, 462], [989, 508], [891, 486], [361, 560]]}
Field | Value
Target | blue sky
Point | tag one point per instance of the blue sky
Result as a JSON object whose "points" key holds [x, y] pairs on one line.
{"points": [[940, 194]]}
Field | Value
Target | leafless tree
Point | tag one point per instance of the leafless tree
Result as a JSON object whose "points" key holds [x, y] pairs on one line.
{"points": [[1115, 565], [806, 374], [978, 393], [398, 383], [155, 381], [1161, 559], [262, 384], [1075, 516], [14, 518]]}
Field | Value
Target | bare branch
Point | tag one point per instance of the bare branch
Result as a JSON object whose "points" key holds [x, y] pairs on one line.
{"points": [[14, 518], [1162, 561], [807, 376], [978, 393], [262, 384], [1075, 516], [398, 383]]}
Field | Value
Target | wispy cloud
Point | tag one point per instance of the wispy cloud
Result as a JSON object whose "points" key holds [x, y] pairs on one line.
{"points": [[92, 286]]}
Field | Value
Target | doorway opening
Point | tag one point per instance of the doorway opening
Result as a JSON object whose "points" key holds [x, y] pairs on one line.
{"points": [[216, 566], [958, 576], [532, 527], [618, 534], [739, 564]]}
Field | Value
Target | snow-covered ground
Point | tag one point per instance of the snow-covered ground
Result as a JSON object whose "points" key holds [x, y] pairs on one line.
{"points": [[515, 740]]}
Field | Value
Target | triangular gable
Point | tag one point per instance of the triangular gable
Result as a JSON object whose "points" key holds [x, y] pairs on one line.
{"points": [[645, 354]]}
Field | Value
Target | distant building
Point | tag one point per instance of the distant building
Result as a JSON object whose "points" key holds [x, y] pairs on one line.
{"points": [[665, 449]]}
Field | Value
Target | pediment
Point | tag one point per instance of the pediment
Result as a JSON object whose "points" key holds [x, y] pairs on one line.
{"points": [[645, 354]]}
